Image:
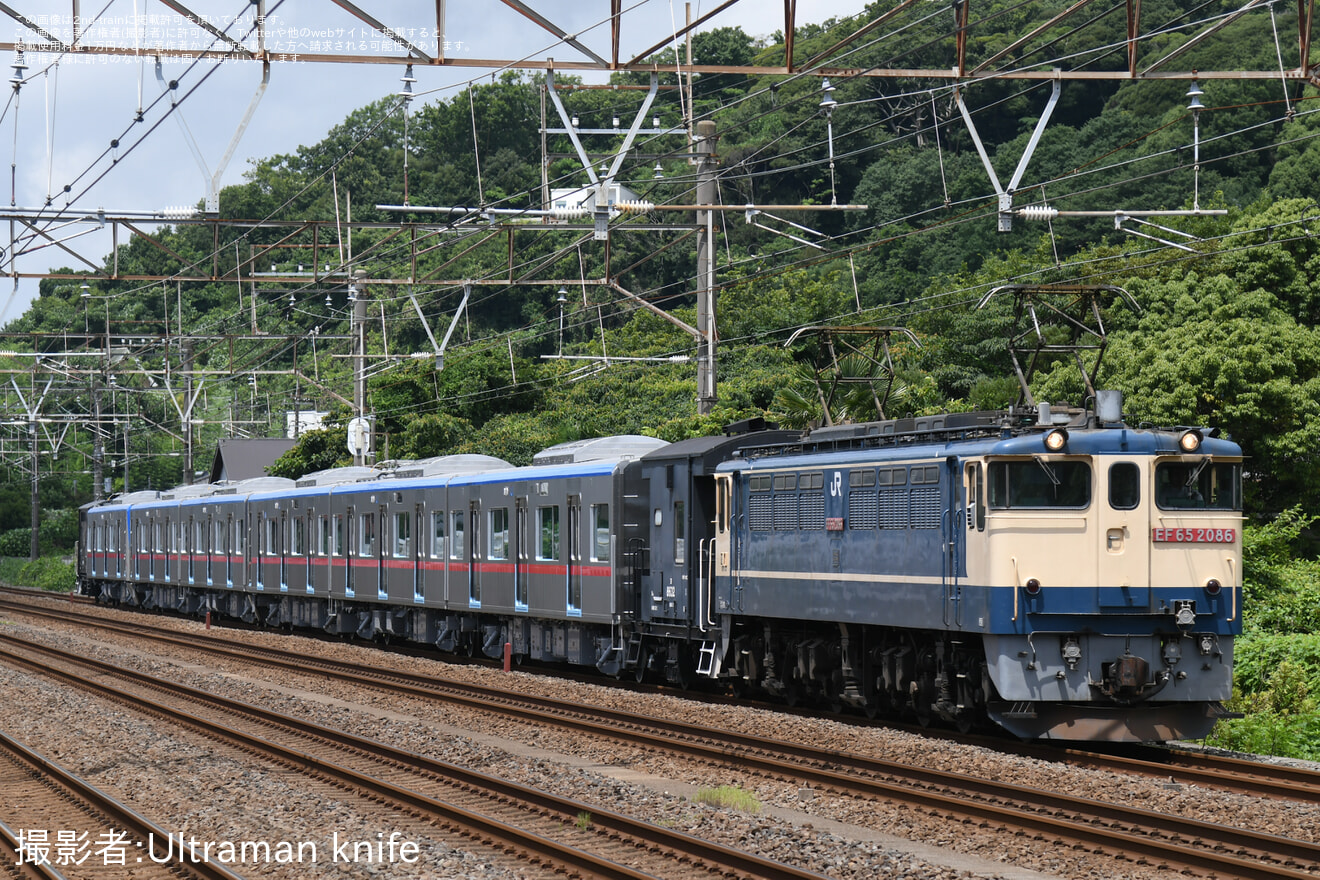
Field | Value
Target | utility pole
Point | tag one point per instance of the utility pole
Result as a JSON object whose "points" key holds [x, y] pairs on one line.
{"points": [[357, 288], [704, 147], [35, 547], [185, 355], [98, 452]]}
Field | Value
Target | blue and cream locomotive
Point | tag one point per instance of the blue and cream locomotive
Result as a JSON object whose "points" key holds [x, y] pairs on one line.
{"points": [[1055, 571]]}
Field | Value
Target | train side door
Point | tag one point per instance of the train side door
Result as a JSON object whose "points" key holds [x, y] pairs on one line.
{"points": [[952, 526], [1123, 578], [474, 553], [349, 555], [418, 554], [521, 556]]}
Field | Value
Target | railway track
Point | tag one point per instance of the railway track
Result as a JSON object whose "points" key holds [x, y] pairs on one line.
{"points": [[1148, 838], [1250, 778], [493, 812], [105, 837]]}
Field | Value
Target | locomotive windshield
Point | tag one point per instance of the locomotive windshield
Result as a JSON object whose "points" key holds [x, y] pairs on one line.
{"points": [[1198, 485], [1037, 483]]}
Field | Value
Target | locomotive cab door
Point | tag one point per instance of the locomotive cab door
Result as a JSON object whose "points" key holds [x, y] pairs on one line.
{"points": [[1123, 576]]}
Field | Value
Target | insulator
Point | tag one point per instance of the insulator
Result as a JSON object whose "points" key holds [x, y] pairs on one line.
{"points": [[1038, 212], [572, 213], [178, 212], [633, 206]]}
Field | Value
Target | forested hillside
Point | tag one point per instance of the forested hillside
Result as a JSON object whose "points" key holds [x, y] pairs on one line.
{"points": [[1224, 333]]}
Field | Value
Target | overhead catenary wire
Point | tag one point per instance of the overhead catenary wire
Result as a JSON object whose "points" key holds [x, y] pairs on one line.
{"points": [[474, 134]]}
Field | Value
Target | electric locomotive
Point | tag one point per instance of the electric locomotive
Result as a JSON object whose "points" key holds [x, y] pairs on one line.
{"points": [[1055, 570]]}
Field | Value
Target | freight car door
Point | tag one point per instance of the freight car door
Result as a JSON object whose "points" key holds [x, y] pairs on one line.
{"points": [[1123, 579]]}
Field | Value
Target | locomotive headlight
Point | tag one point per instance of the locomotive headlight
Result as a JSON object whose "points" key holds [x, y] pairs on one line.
{"points": [[1213, 586], [1033, 587], [1190, 441], [1057, 439]]}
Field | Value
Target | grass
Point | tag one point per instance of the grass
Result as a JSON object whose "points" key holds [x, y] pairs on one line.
{"points": [[730, 796], [47, 573]]}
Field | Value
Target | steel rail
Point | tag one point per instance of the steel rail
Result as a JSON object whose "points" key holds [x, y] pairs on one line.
{"points": [[126, 818]]}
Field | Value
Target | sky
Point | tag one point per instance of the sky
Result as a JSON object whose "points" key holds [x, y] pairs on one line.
{"points": [[59, 126]]}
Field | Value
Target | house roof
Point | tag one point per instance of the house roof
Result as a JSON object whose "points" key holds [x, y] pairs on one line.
{"points": [[239, 459]]}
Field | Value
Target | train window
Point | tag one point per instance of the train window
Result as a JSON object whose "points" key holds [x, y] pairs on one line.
{"points": [[785, 482], [437, 534], [339, 534], [1124, 485], [367, 531], [759, 483], [975, 498], [499, 533], [927, 475], [1198, 485], [402, 535], [811, 481], [893, 477], [600, 544], [1037, 483], [269, 525], [861, 479], [324, 544], [680, 533], [547, 525], [456, 548], [297, 542]]}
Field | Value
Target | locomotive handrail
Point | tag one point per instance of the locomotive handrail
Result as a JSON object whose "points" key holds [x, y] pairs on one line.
{"points": [[1232, 590], [710, 591], [1017, 585]]}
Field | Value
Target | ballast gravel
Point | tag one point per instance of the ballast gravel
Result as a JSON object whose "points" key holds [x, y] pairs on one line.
{"points": [[186, 786]]}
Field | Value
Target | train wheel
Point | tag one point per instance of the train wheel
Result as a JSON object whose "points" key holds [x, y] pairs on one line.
{"points": [[643, 661]]}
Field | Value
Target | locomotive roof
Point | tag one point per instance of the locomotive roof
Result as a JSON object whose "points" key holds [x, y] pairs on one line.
{"points": [[975, 437], [713, 450]]}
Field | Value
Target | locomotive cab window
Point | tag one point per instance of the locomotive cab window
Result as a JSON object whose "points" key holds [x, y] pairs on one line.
{"points": [[1198, 485], [1124, 485], [1037, 483]]}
